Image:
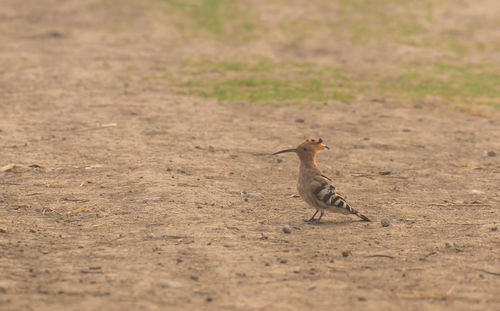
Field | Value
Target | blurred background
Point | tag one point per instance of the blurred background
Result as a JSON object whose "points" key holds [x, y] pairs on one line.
{"points": [[286, 52]]}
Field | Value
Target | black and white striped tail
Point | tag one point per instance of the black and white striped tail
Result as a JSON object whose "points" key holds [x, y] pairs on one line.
{"points": [[339, 201]]}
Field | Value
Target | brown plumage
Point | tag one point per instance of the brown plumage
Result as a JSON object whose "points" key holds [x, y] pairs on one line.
{"points": [[314, 187]]}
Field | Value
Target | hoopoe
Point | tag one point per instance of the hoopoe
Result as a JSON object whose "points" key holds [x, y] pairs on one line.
{"points": [[314, 187]]}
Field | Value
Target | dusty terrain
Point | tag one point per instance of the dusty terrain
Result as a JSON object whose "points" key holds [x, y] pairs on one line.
{"points": [[127, 196]]}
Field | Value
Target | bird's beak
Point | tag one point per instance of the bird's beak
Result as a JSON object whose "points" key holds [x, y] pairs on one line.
{"points": [[326, 147], [286, 150]]}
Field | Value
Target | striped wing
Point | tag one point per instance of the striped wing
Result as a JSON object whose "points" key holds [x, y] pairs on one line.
{"points": [[326, 195]]}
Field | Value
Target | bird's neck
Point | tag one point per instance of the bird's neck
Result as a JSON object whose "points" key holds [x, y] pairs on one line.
{"points": [[309, 165]]}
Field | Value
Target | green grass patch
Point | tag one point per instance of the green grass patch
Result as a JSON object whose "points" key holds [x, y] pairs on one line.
{"points": [[457, 83], [218, 17], [289, 83], [261, 80]]}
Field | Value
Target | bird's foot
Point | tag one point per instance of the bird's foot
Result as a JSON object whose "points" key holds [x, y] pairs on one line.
{"points": [[312, 221]]}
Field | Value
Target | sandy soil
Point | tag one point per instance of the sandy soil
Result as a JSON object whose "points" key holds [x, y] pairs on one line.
{"points": [[143, 200]]}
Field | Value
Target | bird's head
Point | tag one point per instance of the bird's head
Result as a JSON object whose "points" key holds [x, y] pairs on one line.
{"points": [[307, 149]]}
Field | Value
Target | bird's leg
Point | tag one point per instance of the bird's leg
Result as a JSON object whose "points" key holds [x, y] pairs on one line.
{"points": [[320, 215], [312, 218]]}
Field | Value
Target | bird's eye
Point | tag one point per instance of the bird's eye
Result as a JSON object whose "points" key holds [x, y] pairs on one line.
{"points": [[304, 148]]}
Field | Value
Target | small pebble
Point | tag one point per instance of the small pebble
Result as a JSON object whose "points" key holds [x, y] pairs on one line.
{"points": [[346, 253], [300, 120], [385, 222], [263, 236], [209, 299], [491, 153], [283, 261], [287, 229], [475, 191], [194, 277], [449, 244], [211, 149], [493, 228]]}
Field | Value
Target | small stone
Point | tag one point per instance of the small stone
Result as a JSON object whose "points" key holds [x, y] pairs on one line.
{"points": [[211, 149], [493, 228], [263, 236], [491, 153], [475, 191], [300, 120], [449, 244], [385, 222], [149, 236], [383, 173], [346, 253], [209, 299], [287, 229], [283, 261], [3, 230], [194, 277]]}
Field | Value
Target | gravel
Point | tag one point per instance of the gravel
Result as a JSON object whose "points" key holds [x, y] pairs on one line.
{"points": [[385, 222], [287, 229]]}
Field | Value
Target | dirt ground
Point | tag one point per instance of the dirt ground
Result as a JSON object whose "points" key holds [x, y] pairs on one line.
{"points": [[126, 196]]}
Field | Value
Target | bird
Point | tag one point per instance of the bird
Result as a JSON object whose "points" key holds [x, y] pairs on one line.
{"points": [[314, 187]]}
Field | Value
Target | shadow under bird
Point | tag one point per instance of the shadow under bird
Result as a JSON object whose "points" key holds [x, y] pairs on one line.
{"points": [[314, 187]]}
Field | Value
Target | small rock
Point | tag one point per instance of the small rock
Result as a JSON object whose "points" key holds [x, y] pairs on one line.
{"points": [[194, 277], [149, 236], [475, 191], [449, 244], [287, 229], [263, 236], [211, 149], [209, 299], [283, 261], [491, 153], [493, 229], [300, 120], [346, 253], [384, 173], [3, 230], [385, 222]]}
